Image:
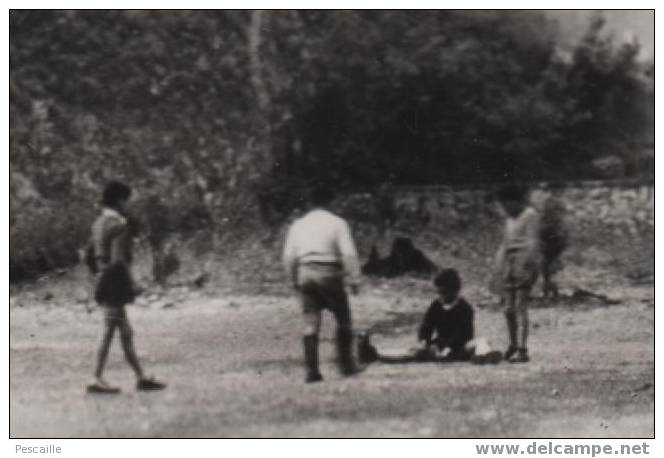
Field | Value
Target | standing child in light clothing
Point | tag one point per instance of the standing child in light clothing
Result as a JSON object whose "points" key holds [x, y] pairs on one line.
{"points": [[516, 266], [320, 257], [111, 260]]}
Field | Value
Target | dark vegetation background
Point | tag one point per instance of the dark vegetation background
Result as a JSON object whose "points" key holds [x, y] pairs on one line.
{"points": [[221, 119]]}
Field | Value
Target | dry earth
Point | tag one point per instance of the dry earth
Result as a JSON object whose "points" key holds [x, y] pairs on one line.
{"points": [[234, 368]]}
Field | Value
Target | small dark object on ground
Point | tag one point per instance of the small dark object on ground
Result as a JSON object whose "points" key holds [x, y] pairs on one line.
{"points": [[166, 264], [644, 387], [200, 280], [366, 352], [582, 294], [404, 258]]}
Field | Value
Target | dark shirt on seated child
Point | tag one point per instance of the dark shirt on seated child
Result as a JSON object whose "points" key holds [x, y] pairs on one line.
{"points": [[448, 326]]}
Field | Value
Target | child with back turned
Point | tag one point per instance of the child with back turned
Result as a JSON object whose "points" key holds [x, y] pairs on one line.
{"points": [[516, 266], [320, 258]]}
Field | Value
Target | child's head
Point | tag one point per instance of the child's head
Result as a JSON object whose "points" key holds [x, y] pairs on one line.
{"points": [[513, 198], [448, 284], [115, 195]]}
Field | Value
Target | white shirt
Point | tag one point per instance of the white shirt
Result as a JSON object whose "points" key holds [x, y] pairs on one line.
{"points": [[321, 236], [447, 306]]}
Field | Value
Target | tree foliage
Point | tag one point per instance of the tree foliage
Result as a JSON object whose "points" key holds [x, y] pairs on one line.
{"points": [[215, 111]]}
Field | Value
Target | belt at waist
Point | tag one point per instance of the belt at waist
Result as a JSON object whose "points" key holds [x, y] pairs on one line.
{"points": [[314, 262]]}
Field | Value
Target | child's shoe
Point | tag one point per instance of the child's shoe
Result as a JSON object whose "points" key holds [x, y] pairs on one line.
{"points": [[100, 386], [511, 351], [521, 356], [149, 384], [313, 377]]}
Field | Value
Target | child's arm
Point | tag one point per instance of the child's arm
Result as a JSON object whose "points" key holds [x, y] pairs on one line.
{"points": [[500, 252], [496, 269], [349, 256], [533, 230], [119, 252], [290, 257], [467, 328], [108, 246]]}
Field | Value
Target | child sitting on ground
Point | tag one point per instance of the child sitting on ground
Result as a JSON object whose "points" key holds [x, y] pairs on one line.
{"points": [[446, 332]]}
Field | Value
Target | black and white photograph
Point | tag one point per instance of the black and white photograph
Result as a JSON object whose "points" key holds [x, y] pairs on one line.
{"points": [[332, 223]]}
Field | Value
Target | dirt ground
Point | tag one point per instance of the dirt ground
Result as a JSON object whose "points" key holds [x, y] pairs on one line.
{"points": [[234, 368]]}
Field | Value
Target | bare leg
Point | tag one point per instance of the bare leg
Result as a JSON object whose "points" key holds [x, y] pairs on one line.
{"points": [[127, 339], [102, 355], [510, 318], [521, 304]]}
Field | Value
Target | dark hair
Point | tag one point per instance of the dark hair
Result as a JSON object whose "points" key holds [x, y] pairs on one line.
{"points": [[115, 192], [321, 194], [511, 192], [448, 278]]}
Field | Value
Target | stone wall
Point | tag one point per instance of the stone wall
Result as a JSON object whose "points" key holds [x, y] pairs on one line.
{"points": [[619, 206], [610, 224]]}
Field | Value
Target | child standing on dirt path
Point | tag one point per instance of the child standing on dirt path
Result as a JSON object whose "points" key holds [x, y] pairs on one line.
{"points": [[516, 266], [112, 254], [447, 331], [319, 253]]}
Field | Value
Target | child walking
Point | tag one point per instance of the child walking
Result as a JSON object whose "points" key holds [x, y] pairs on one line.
{"points": [[320, 256], [516, 267], [112, 255], [446, 332]]}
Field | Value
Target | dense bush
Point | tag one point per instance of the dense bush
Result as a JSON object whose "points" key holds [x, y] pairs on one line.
{"points": [[46, 237]]}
